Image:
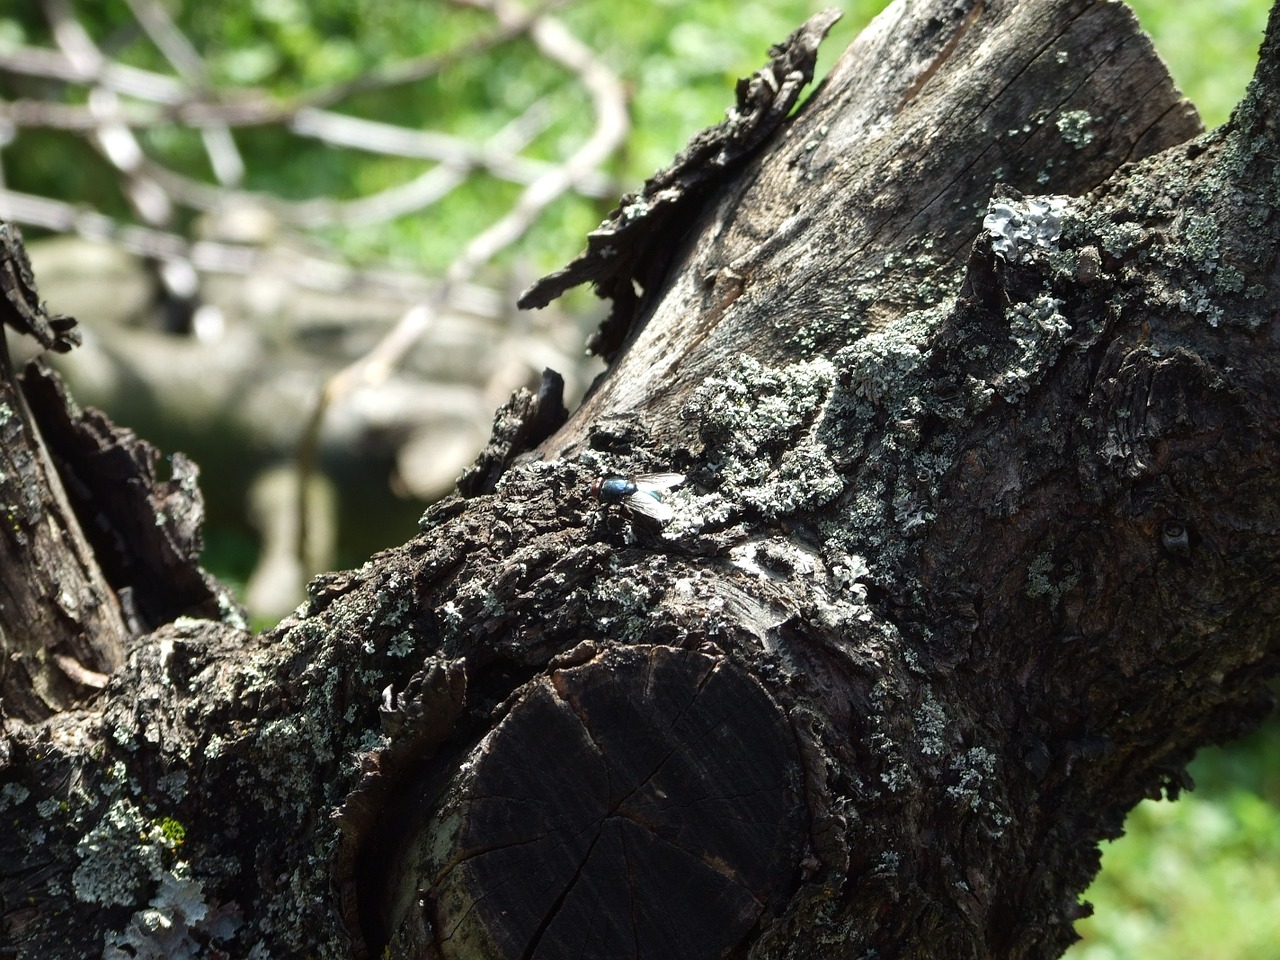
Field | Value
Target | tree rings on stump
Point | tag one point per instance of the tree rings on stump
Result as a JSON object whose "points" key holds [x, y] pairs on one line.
{"points": [[641, 805]]}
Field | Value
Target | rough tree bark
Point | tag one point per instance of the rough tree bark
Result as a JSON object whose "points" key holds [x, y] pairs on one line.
{"points": [[971, 365]]}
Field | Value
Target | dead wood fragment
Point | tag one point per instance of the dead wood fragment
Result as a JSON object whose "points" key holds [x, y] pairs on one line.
{"points": [[635, 244]]}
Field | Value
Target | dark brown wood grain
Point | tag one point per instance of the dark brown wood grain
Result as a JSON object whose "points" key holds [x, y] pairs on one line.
{"points": [[657, 762]]}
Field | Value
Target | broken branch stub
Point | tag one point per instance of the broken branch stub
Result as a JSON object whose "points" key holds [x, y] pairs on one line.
{"points": [[636, 765], [863, 206], [20, 306], [96, 548], [61, 628]]}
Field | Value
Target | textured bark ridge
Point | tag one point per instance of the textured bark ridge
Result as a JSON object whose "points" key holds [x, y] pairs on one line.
{"points": [[866, 206], [21, 308], [971, 369], [144, 530]]}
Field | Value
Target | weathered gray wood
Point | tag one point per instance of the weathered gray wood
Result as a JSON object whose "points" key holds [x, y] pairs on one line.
{"points": [[144, 528], [978, 529], [61, 628], [866, 206]]}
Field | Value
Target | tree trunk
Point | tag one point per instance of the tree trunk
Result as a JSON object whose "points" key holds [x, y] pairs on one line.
{"points": [[970, 365]]}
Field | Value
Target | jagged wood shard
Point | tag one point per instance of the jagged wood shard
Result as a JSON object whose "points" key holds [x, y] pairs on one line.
{"points": [[635, 243], [20, 306]]}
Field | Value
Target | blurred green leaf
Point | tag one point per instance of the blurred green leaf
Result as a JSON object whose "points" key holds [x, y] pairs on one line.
{"points": [[1199, 877]]}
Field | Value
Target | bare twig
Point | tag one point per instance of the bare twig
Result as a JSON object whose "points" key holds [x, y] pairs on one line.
{"points": [[252, 109], [375, 137], [434, 184], [224, 157], [123, 79], [72, 38], [609, 103], [309, 271], [123, 103], [421, 68], [114, 140], [118, 144]]}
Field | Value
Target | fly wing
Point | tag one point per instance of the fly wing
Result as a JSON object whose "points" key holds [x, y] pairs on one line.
{"points": [[654, 482], [647, 504]]}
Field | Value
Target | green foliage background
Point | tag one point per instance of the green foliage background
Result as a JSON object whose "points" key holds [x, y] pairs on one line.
{"points": [[679, 59], [1195, 879]]}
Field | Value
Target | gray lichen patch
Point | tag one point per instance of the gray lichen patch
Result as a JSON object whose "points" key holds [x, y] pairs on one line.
{"points": [[879, 418], [757, 426], [878, 365], [1038, 330], [177, 924], [1048, 578], [621, 602], [1074, 126], [1173, 240], [930, 719], [334, 659], [977, 787], [776, 558], [119, 857], [1018, 228], [882, 376], [1118, 239], [129, 854]]}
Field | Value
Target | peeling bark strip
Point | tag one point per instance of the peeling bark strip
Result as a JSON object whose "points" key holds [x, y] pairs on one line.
{"points": [[144, 531], [521, 424], [95, 548], [977, 546], [61, 628], [20, 307]]}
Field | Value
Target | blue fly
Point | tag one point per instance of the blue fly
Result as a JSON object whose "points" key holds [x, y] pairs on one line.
{"points": [[641, 495]]}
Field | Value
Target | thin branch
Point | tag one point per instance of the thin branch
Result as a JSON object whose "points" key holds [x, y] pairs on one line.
{"points": [[307, 271], [421, 68], [123, 79], [224, 156], [333, 129], [124, 102], [374, 136], [113, 139], [251, 107], [171, 42], [400, 200], [426, 189], [72, 38], [609, 102], [612, 123]]}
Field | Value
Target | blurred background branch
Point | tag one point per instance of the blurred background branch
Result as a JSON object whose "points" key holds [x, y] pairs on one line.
{"points": [[126, 127]]}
